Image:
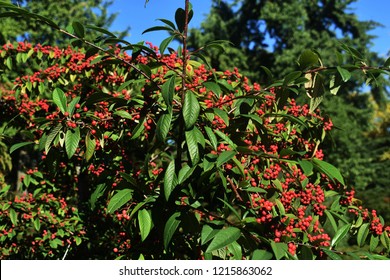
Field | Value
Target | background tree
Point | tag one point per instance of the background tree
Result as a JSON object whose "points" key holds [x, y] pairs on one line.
{"points": [[92, 12], [273, 34]]}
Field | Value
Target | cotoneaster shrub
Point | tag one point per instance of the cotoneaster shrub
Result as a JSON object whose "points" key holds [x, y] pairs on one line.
{"points": [[156, 156]]}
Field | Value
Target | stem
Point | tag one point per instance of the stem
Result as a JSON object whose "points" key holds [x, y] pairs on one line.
{"points": [[180, 139]]}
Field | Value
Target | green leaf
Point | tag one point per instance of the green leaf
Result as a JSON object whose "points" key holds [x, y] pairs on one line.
{"points": [[180, 16], [374, 242], [387, 62], [279, 249], [184, 173], [362, 234], [340, 234], [191, 109], [261, 255], [13, 216], [59, 99], [163, 126], [165, 43], [235, 249], [157, 28], [72, 105], [72, 139], [129, 179], [308, 59], [332, 255], [223, 238], [331, 220], [52, 135], [212, 137], [170, 228], [385, 240], [291, 77], [119, 199], [90, 145], [99, 29], [97, 193], [344, 73], [78, 29], [224, 157], [168, 22], [214, 87], [170, 180], [37, 224], [145, 223], [168, 90], [281, 208], [207, 233], [18, 146], [123, 114], [331, 171], [192, 146], [139, 129], [307, 167]]}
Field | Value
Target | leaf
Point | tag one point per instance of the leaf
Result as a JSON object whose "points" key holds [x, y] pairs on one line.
{"points": [[59, 99], [374, 242], [101, 30], [129, 179], [90, 145], [119, 199], [387, 62], [157, 28], [192, 146], [340, 234], [170, 179], [331, 220], [72, 139], [235, 249], [212, 86], [307, 167], [72, 105], [207, 233], [344, 73], [332, 255], [170, 228], [223, 238], [385, 240], [165, 43], [291, 77], [168, 90], [307, 59], [191, 109], [18, 146], [224, 157], [362, 234], [163, 126], [212, 137], [97, 193], [78, 29], [184, 173], [145, 223], [52, 135], [180, 17], [37, 224], [13, 216], [279, 249], [261, 255], [331, 171], [137, 131], [123, 114]]}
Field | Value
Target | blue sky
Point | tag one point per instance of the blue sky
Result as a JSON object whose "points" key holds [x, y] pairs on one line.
{"points": [[138, 17]]}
